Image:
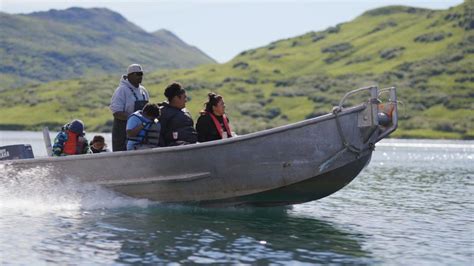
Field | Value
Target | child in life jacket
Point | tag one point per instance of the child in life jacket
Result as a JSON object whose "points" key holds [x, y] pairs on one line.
{"points": [[71, 140]]}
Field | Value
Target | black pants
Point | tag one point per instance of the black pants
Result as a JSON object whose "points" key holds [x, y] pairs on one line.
{"points": [[119, 135]]}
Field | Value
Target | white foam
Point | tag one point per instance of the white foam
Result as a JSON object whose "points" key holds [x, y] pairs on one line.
{"points": [[35, 191]]}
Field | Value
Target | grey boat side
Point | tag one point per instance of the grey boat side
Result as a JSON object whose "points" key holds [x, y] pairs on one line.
{"points": [[284, 165]]}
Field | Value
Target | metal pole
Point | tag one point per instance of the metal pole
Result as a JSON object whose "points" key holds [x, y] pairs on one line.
{"points": [[47, 142]]}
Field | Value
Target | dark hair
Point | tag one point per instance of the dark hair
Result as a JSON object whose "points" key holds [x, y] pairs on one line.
{"points": [[152, 110], [97, 138], [174, 89], [213, 101]]}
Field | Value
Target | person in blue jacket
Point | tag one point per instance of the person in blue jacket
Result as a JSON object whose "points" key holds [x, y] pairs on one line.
{"points": [[143, 128]]}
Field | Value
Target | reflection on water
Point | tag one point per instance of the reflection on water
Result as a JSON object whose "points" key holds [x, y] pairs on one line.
{"points": [[245, 236], [191, 235], [412, 205]]}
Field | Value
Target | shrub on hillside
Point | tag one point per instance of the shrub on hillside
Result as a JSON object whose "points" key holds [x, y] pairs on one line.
{"points": [[285, 83], [337, 48], [273, 112], [432, 37], [337, 51], [390, 53], [460, 101], [315, 113], [271, 46], [332, 30], [359, 59], [251, 80], [384, 25], [241, 65], [464, 79], [452, 16], [295, 43], [449, 126], [317, 37]]}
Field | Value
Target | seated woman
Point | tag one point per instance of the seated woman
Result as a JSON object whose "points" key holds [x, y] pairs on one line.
{"points": [[176, 123], [143, 128], [213, 123], [71, 140], [98, 145]]}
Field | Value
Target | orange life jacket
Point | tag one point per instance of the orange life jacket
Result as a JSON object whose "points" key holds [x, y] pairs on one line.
{"points": [[74, 143], [220, 130]]}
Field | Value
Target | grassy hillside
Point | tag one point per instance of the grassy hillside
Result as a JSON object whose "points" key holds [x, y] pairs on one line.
{"points": [[76, 42], [428, 55]]}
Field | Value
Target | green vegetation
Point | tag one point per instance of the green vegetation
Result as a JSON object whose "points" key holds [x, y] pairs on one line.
{"points": [[53, 45], [428, 55]]}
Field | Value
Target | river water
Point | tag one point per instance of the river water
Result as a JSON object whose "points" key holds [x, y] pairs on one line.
{"points": [[413, 205]]}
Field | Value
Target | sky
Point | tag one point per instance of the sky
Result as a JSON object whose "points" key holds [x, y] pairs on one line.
{"points": [[222, 29]]}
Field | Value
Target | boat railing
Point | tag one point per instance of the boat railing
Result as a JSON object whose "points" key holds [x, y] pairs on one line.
{"points": [[337, 109], [373, 94], [374, 99]]}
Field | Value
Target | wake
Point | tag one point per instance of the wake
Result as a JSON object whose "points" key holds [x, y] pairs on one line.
{"points": [[34, 191]]}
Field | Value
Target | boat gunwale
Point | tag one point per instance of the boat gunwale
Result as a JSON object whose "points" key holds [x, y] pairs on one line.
{"points": [[201, 145]]}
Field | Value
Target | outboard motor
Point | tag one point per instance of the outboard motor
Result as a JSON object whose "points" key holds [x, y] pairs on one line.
{"points": [[14, 152]]}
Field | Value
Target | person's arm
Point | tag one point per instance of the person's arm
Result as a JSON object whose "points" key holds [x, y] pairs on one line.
{"points": [[121, 115], [134, 126], [117, 104], [86, 149], [164, 127], [134, 132], [147, 95], [203, 129], [59, 143]]}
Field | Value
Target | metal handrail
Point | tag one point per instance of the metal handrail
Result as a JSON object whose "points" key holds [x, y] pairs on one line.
{"points": [[373, 93]]}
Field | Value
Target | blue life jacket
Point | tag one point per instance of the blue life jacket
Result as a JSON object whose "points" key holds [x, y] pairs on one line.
{"points": [[149, 135]]}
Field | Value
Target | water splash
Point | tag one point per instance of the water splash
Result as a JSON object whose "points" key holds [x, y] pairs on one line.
{"points": [[35, 191]]}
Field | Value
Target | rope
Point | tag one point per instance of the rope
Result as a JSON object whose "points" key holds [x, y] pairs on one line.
{"points": [[347, 146]]}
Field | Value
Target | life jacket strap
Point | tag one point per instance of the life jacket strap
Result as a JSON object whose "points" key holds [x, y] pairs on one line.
{"points": [[220, 130]]}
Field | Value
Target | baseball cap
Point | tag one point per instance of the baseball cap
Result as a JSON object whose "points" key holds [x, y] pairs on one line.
{"points": [[134, 68]]}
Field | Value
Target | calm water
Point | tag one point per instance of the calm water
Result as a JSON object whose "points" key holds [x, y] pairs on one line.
{"points": [[413, 205]]}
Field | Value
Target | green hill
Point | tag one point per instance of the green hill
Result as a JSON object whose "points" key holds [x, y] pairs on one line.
{"points": [[427, 54], [77, 42]]}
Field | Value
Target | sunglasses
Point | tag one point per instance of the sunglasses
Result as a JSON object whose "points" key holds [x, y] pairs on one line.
{"points": [[139, 74]]}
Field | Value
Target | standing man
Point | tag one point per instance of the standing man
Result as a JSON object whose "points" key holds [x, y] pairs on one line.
{"points": [[129, 97]]}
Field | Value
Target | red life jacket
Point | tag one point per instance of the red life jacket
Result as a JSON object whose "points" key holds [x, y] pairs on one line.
{"points": [[74, 143], [219, 127]]}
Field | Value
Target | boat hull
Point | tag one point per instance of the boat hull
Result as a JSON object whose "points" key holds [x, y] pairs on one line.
{"points": [[291, 164], [311, 189]]}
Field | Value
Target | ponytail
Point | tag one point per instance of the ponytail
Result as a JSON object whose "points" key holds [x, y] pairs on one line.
{"points": [[212, 101]]}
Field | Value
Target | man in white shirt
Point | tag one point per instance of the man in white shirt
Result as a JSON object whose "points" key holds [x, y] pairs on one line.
{"points": [[130, 96]]}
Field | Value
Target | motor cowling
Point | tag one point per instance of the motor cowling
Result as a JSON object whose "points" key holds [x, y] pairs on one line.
{"points": [[14, 152]]}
